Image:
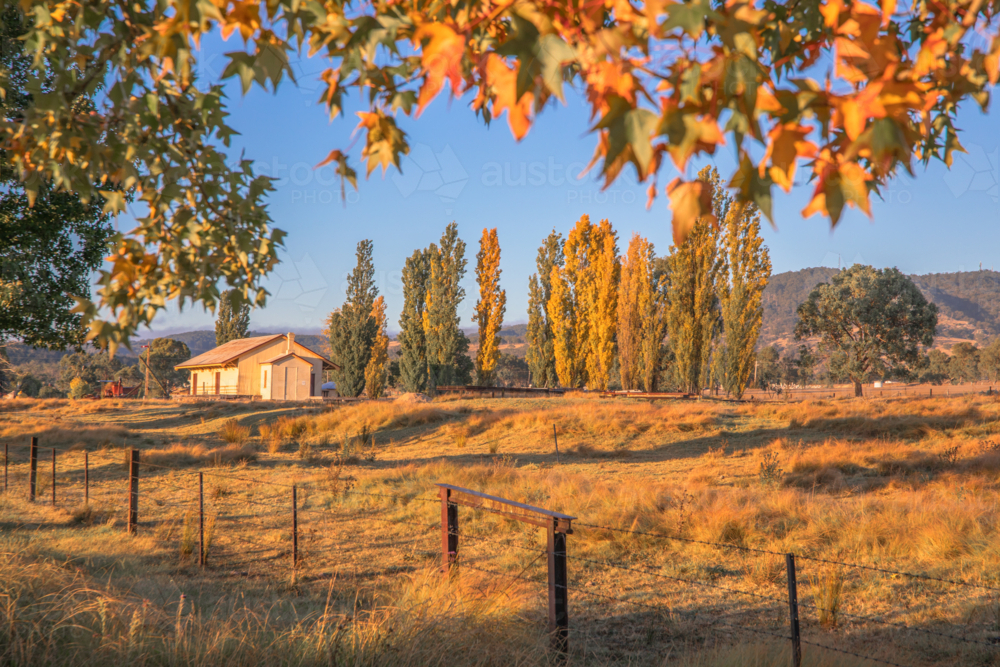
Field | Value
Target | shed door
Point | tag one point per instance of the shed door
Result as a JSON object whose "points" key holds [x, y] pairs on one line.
{"points": [[194, 384], [312, 384], [218, 382]]}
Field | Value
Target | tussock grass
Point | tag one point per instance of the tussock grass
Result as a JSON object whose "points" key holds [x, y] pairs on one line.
{"points": [[234, 433], [179, 455]]}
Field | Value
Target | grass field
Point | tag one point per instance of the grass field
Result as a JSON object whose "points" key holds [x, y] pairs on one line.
{"points": [[905, 484]]}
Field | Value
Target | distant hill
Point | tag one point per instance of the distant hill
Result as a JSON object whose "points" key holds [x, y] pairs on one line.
{"points": [[968, 304]]}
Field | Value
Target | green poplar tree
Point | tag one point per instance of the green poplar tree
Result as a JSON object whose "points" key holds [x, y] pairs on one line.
{"points": [[233, 322], [352, 328], [446, 344], [541, 356], [412, 342]]}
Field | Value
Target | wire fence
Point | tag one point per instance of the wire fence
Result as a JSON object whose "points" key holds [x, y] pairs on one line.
{"points": [[624, 599]]}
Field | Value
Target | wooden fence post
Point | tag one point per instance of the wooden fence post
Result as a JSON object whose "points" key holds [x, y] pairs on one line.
{"points": [[793, 611], [558, 590], [201, 519], [133, 492], [86, 478], [33, 472], [295, 527], [449, 532], [53, 476]]}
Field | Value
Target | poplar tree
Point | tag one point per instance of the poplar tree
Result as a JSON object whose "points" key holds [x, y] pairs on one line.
{"points": [[541, 349], [560, 306], [635, 291], [233, 322], [412, 342], [741, 294], [352, 328], [600, 301], [654, 323], [577, 277], [490, 308], [695, 267], [446, 344], [377, 369]]}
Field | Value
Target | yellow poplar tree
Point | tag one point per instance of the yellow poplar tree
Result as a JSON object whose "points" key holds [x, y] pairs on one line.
{"points": [[741, 294], [695, 268], [578, 276], [563, 316], [600, 300], [490, 308], [378, 364], [636, 292]]}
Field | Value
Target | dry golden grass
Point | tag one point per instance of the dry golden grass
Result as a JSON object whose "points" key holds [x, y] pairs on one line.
{"points": [[907, 484]]}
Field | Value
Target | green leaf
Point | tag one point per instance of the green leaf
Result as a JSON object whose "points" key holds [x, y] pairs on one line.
{"points": [[554, 54], [114, 201]]}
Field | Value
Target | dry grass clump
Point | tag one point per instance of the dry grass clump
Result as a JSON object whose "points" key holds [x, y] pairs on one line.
{"points": [[180, 455], [234, 433], [53, 615]]}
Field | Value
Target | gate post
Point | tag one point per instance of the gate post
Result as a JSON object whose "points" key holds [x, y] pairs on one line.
{"points": [[793, 611], [558, 590], [133, 492], [449, 532], [33, 473]]}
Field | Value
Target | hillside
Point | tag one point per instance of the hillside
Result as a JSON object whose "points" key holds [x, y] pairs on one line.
{"points": [[968, 303]]}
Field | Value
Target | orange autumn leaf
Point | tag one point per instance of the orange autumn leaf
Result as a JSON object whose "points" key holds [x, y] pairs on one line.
{"points": [[441, 58], [503, 82], [787, 143], [689, 201]]}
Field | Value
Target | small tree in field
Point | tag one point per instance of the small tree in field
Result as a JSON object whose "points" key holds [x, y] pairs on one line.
{"points": [[876, 318], [233, 322]]}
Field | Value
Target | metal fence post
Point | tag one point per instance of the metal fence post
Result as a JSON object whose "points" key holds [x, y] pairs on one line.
{"points": [[201, 519], [558, 589], [133, 492], [793, 611], [53, 476], [295, 527], [86, 478], [6, 456], [33, 472], [449, 532], [556, 439]]}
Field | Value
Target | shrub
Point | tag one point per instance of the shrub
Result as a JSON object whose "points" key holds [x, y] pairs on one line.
{"points": [[79, 388], [48, 391]]}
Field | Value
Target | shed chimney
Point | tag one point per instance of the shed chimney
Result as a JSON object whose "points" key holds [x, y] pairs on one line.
{"points": [[289, 339]]}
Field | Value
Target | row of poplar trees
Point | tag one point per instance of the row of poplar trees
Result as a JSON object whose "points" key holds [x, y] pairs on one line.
{"points": [[433, 349], [699, 308]]}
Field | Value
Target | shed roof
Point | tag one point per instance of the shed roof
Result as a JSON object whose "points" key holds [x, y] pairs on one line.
{"points": [[228, 351]]}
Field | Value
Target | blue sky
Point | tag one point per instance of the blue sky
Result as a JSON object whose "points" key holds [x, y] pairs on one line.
{"points": [[458, 169]]}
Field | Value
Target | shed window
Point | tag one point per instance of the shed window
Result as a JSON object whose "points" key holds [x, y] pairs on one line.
{"points": [[265, 379]]}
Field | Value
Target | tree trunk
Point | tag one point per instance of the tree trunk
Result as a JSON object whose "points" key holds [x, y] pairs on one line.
{"points": [[857, 390]]}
